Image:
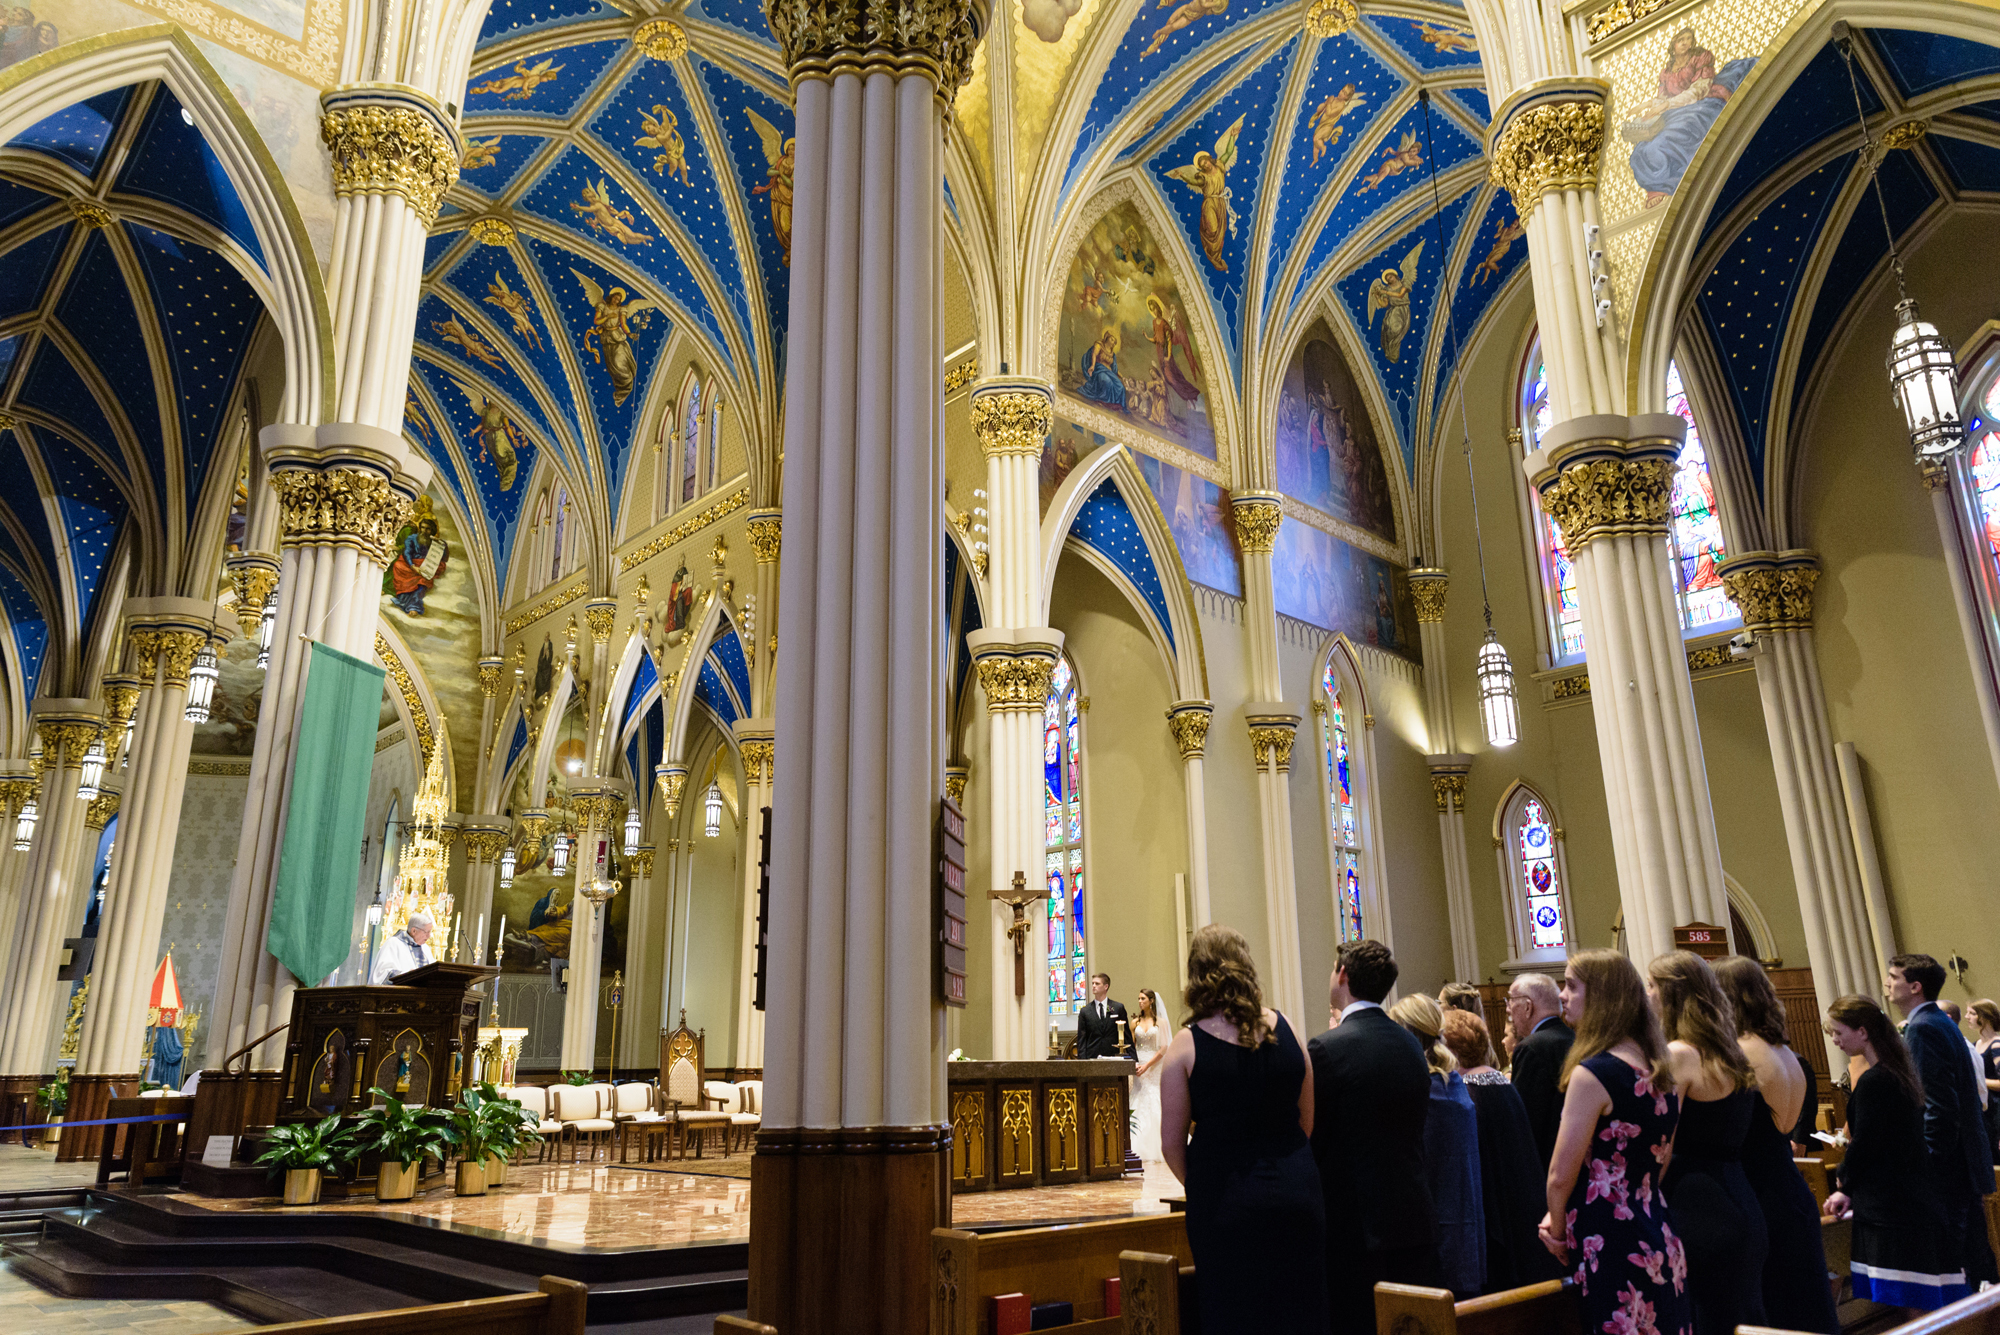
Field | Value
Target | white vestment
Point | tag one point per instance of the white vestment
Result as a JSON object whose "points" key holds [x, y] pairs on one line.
{"points": [[398, 955]]}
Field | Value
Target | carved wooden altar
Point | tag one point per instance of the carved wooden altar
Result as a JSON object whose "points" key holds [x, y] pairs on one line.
{"points": [[1039, 1123], [414, 1038]]}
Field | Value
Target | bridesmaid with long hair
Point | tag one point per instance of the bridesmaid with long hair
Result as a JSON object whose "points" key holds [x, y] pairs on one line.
{"points": [[1714, 1209], [1607, 1219]]}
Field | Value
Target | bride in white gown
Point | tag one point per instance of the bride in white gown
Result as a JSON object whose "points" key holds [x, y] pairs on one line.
{"points": [[1151, 1032]]}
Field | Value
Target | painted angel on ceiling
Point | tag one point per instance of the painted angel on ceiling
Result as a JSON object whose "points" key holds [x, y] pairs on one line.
{"points": [[494, 433], [1325, 120], [1209, 174], [611, 320], [663, 132], [451, 331], [1405, 156], [1189, 13], [480, 153], [518, 305], [1503, 241], [522, 83], [1447, 41], [778, 152], [606, 218], [1390, 295]]}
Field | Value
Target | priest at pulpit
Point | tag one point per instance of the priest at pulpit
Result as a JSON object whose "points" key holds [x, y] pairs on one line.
{"points": [[404, 951]]}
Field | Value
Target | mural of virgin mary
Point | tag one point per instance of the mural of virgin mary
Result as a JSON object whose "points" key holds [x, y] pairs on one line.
{"points": [[1669, 128]]}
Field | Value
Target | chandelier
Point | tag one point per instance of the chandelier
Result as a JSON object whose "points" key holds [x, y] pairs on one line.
{"points": [[632, 826], [711, 810], [201, 684], [91, 782], [425, 864], [24, 826], [267, 625]]}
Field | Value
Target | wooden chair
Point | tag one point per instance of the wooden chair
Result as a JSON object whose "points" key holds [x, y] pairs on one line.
{"points": [[143, 1151], [682, 1072], [556, 1310], [1535, 1309], [1977, 1315], [1067, 1264]]}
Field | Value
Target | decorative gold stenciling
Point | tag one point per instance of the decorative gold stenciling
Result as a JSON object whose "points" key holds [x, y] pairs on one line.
{"points": [[88, 212], [1553, 146], [1015, 683], [728, 505], [339, 507], [491, 231], [961, 375], [662, 39], [1189, 723], [1709, 657], [1617, 17], [760, 759], [390, 150], [406, 687], [1428, 587], [1330, 18], [234, 769], [936, 37], [1011, 422], [1570, 688], [1604, 496], [1257, 521], [553, 603]]}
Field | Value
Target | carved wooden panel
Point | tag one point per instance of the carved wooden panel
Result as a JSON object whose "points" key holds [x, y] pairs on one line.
{"points": [[1107, 1147], [968, 1139], [1062, 1132], [1017, 1133]]}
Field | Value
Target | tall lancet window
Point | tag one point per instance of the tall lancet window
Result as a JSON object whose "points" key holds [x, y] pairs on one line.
{"points": [[1986, 475], [691, 445], [1062, 813], [1558, 575], [1529, 844], [559, 533], [1340, 799]]}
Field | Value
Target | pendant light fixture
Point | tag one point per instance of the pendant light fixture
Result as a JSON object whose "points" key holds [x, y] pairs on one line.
{"points": [[507, 861], [1923, 373], [91, 780], [631, 831], [24, 826], [711, 807], [1499, 713], [267, 625], [559, 853], [201, 680]]}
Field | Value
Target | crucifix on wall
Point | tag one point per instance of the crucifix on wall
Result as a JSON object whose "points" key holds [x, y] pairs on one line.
{"points": [[1019, 898]]}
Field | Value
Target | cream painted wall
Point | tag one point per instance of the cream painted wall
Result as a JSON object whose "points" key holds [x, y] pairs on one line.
{"points": [[1891, 654], [708, 923]]}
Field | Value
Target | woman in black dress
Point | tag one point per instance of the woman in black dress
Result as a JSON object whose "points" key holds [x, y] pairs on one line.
{"points": [[1899, 1249], [1256, 1220], [1986, 1019], [1797, 1292], [1714, 1210], [1510, 1167]]}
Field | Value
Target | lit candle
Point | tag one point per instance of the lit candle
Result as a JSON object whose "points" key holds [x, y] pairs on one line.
{"points": [[500, 938]]}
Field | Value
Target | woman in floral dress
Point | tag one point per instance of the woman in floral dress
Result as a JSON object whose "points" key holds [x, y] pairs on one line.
{"points": [[1608, 1220]]}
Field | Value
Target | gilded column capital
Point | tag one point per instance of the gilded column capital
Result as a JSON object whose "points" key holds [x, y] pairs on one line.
{"points": [[934, 37], [1448, 773], [1189, 720], [14, 794], [253, 575], [1258, 515], [484, 845], [1773, 590], [391, 141], [121, 698], [767, 531], [142, 649], [1548, 136], [955, 779], [1607, 475], [490, 676], [101, 809], [1015, 682], [760, 759], [1271, 742], [642, 860], [65, 738], [177, 650], [597, 808], [339, 507], [599, 614], [1428, 587], [1012, 415], [673, 782]]}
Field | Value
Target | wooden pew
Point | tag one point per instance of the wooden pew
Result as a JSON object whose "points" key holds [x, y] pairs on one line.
{"points": [[1153, 1288], [1064, 1264], [556, 1310], [736, 1325], [1536, 1309], [1815, 1174], [1977, 1315]]}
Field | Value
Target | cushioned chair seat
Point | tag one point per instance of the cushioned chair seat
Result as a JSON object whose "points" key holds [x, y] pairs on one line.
{"points": [[590, 1124]]}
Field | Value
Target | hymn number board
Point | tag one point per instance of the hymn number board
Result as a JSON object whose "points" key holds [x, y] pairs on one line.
{"points": [[951, 903]]}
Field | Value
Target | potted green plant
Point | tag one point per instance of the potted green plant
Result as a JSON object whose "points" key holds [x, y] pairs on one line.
{"points": [[576, 1077], [305, 1150], [507, 1127], [402, 1134], [54, 1100], [472, 1127]]}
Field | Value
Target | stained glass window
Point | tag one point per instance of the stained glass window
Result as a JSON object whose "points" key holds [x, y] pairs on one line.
{"points": [[1540, 881], [714, 439], [1695, 538], [1986, 476], [556, 543], [691, 444], [1062, 829], [1340, 791]]}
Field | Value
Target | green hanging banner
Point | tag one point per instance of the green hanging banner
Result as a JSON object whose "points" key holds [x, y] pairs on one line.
{"points": [[333, 754]]}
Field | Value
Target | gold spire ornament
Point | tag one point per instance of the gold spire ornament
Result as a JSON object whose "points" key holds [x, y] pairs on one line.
{"points": [[422, 871]]}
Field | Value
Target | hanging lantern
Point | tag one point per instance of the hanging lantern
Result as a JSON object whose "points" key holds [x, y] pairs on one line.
{"points": [[631, 831], [559, 853], [201, 684], [507, 867], [375, 911], [24, 827], [1497, 709], [125, 747], [92, 781], [1923, 376], [267, 625], [711, 809]]}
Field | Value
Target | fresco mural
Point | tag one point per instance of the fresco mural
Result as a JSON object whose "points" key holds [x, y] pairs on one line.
{"points": [[1321, 580], [429, 598], [231, 729], [1199, 517], [1067, 446], [1124, 344], [1327, 452], [1667, 130]]}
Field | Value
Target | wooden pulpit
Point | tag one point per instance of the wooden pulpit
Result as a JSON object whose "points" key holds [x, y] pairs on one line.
{"points": [[413, 1038]]}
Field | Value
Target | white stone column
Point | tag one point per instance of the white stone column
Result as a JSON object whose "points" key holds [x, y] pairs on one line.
{"points": [[637, 1048], [485, 839], [1959, 530], [49, 893], [1606, 482], [671, 898], [17, 785], [756, 743], [600, 808], [761, 619], [165, 636], [854, 1125], [1189, 721], [1448, 772], [1848, 939]]}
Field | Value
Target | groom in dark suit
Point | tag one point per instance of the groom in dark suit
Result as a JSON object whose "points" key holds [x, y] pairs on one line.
{"points": [[1954, 1130], [1371, 1092], [1097, 1021]]}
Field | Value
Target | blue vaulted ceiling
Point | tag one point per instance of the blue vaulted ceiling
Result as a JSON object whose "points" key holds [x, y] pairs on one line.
{"points": [[121, 346], [1783, 202]]}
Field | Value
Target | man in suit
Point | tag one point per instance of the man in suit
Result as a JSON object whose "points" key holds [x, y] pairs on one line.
{"points": [[1097, 1022], [1371, 1092], [1954, 1132], [1544, 1041]]}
